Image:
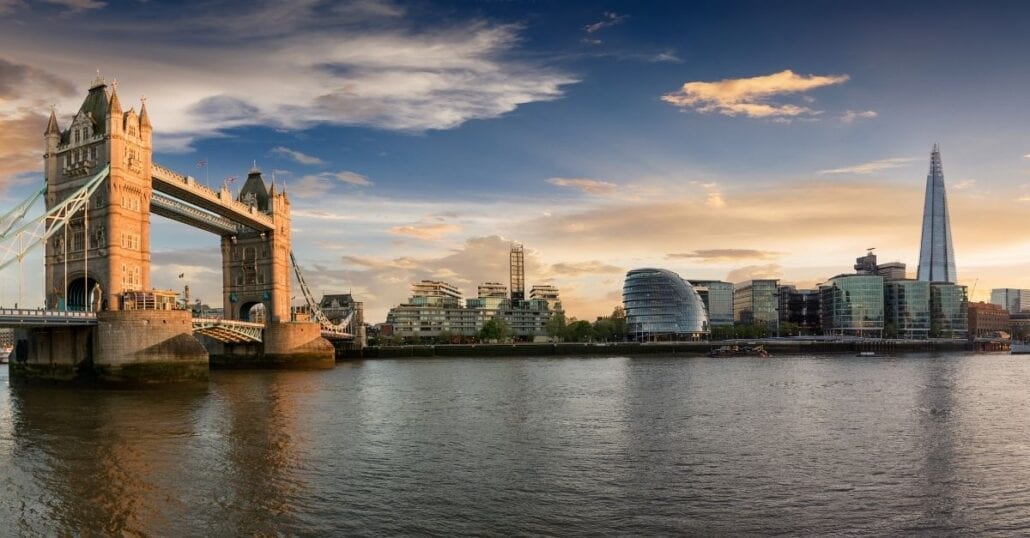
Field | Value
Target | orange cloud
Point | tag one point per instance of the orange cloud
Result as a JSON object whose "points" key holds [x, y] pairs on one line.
{"points": [[589, 186], [430, 232], [751, 96]]}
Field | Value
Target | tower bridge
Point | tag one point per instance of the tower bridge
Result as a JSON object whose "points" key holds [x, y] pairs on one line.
{"points": [[101, 313]]}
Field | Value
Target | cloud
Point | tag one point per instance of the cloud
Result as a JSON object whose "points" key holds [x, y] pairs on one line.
{"points": [[714, 198], [296, 156], [965, 184], [871, 167], [610, 19], [23, 117], [427, 231], [75, 6], [315, 185], [1027, 156], [592, 267], [850, 115], [751, 97], [755, 272], [589, 186], [373, 67], [665, 56], [723, 255]]}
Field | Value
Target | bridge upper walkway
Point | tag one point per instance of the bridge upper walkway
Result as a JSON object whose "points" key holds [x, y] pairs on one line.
{"points": [[221, 203], [24, 317]]}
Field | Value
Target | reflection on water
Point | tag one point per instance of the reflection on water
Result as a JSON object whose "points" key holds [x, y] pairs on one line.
{"points": [[650, 445]]}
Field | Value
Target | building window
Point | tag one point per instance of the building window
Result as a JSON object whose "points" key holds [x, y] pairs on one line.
{"points": [[93, 153], [77, 139]]}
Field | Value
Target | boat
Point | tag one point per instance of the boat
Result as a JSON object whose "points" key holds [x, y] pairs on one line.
{"points": [[5, 354], [1019, 348], [738, 351]]}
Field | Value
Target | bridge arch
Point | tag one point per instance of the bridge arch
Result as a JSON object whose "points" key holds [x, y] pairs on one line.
{"points": [[79, 290], [255, 311]]}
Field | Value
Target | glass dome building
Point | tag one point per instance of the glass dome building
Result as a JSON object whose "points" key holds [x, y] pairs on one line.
{"points": [[662, 306]]}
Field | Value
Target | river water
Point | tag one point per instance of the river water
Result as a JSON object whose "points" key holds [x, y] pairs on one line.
{"points": [[655, 445]]}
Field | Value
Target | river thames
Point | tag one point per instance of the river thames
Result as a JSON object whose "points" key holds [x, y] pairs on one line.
{"points": [[652, 445]]}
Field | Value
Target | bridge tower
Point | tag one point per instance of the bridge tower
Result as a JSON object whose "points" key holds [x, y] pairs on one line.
{"points": [[256, 265], [106, 249]]}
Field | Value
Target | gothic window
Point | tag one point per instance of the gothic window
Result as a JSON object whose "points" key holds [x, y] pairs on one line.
{"points": [[77, 139], [78, 240], [67, 159], [98, 202], [93, 153]]}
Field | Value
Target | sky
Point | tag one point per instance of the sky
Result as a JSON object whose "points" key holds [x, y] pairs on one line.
{"points": [[724, 140]]}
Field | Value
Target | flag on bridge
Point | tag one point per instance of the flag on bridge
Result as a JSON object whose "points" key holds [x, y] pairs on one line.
{"points": [[201, 163]]}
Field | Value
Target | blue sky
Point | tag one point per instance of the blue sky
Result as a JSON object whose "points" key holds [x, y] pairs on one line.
{"points": [[719, 139]]}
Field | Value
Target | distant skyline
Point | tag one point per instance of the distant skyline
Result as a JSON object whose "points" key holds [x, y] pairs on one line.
{"points": [[720, 140]]}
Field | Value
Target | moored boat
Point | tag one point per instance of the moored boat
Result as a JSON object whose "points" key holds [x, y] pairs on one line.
{"points": [[739, 351]]}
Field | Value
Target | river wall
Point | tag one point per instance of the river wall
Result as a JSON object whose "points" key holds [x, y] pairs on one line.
{"points": [[774, 347]]}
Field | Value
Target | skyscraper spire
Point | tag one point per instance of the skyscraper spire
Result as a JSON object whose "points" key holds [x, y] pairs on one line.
{"points": [[936, 254]]}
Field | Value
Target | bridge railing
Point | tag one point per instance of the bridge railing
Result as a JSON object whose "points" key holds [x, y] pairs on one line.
{"points": [[30, 313], [228, 323]]}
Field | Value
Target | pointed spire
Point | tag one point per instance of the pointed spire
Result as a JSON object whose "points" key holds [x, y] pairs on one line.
{"points": [[144, 118], [254, 169], [52, 128], [115, 106]]}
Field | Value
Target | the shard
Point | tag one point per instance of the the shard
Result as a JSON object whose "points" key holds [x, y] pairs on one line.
{"points": [[936, 255]]}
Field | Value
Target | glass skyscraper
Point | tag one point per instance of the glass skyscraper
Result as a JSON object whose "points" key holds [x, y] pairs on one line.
{"points": [[756, 302], [662, 306], [936, 255]]}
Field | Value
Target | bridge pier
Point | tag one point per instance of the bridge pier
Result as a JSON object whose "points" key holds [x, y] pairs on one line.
{"points": [[131, 347], [285, 345]]}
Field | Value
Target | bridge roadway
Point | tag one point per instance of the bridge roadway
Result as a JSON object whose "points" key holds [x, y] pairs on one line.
{"points": [[228, 331], [186, 189]]}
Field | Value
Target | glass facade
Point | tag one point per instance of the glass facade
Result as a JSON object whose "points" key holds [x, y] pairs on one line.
{"points": [[717, 297], [1013, 300], [662, 306], [908, 309], [949, 310], [800, 308], [756, 302], [852, 305]]}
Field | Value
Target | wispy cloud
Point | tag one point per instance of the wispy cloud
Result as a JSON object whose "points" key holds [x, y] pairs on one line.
{"points": [[296, 156], [850, 115], [315, 185], [592, 267], [755, 272], [610, 19], [964, 184], [751, 97], [427, 231], [369, 67], [713, 198], [723, 255], [871, 167], [589, 186]]}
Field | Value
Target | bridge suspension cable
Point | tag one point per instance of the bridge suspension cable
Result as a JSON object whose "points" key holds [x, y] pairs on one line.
{"points": [[17, 243], [12, 217], [316, 312]]}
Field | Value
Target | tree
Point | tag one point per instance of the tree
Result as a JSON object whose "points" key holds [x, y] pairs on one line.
{"points": [[604, 329], [446, 337], [619, 327], [555, 326], [788, 328], [723, 332], [578, 331], [495, 330]]}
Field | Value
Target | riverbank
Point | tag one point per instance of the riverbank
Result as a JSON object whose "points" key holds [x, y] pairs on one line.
{"points": [[774, 346]]}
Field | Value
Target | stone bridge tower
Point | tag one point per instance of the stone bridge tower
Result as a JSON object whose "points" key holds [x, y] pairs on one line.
{"points": [[106, 249], [256, 265]]}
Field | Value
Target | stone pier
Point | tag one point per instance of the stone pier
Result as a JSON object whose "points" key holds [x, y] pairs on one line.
{"points": [[287, 345], [133, 347]]}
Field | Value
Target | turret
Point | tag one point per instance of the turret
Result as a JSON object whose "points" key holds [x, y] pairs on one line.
{"points": [[53, 139], [114, 115], [146, 130]]}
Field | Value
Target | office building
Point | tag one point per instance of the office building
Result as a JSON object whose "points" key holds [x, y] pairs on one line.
{"points": [[852, 305], [949, 310], [1011, 299], [907, 306], [545, 292], [936, 254], [717, 296], [988, 320], [755, 302], [866, 265], [799, 308], [435, 293], [662, 306]]}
